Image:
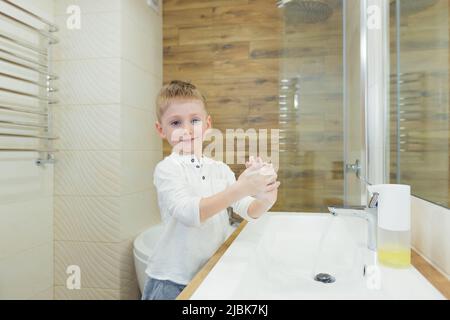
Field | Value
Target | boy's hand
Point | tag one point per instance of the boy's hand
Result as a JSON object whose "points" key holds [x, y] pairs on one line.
{"points": [[253, 181], [270, 194]]}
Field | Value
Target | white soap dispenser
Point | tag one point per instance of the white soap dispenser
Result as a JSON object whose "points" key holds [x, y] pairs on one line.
{"points": [[394, 224]]}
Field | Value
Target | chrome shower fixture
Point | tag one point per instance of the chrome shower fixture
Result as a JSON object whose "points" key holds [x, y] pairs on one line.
{"points": [[308, 11]]}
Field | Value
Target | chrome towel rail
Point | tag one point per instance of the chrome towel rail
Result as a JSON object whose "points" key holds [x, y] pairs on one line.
{"points": [[41, 71], [32, 58], [47, 35], [22, 109], [23, 124], [36, 83], [52, 27], [30, 95], [19, 135], [23, 43], [27, 150], [21, 57], [407, 96]]}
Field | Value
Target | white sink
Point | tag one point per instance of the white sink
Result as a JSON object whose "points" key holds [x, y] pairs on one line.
{"points": [[278, 256]]}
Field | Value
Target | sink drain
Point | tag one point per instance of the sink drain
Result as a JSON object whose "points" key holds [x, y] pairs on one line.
{"points": [[324, 278]]}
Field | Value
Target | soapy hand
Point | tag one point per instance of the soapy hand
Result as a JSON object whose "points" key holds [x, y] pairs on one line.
{"points": [[257, 179], [271, 191]]}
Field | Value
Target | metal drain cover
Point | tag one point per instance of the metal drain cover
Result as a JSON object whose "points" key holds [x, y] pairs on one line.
{"points": [[324, 278]]}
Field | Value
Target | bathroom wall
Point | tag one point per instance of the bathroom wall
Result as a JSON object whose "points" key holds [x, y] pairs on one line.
{"points": [[26, 193], [430, 237], [110, 72], [237, 52]]}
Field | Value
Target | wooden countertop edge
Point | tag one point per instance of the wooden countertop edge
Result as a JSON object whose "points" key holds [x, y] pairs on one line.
{"points": [[434, 276], [438, 280], [187, 293]]}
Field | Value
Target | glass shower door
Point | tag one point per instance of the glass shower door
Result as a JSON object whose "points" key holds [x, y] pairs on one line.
{"points": [[366, 97], [354, 96]]}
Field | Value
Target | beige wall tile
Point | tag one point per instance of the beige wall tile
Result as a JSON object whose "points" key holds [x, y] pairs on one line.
{"points": [[430, 237], [88, 6], [142, 44], [138, 130], [99, 37], [25, 225], [138, 87], [83, 218], [21, 179], [91, 81], [103, 266], [62, 293], [27, 273], [104, 177], [98, 262], [88, 173], [47, 294], [138, 212], [137, 170], [88, 127]]}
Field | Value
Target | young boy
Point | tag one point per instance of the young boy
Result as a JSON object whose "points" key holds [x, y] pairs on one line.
{"points": [[194, 192]]}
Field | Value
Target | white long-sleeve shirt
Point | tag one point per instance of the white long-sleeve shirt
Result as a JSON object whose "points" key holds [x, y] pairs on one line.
{"points": [[186, 244]]}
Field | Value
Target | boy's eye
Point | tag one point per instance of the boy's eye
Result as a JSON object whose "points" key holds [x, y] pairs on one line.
{"points": [[196, 121], [175, 123]]}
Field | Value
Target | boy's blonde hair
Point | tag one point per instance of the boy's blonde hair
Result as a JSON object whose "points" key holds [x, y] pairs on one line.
{"points": [[176, 90]]}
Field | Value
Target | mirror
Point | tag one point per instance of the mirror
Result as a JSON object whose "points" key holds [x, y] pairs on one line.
{"points": [[419, 99]]}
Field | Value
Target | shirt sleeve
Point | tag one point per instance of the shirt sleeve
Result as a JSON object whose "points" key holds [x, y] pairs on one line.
{"points": [[175, 196], [241, 206]]}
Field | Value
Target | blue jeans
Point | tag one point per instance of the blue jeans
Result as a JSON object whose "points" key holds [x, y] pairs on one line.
{"points": [[155, 289]]}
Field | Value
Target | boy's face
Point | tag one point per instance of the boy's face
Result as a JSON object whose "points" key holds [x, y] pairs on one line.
{"points": [[184, 124]]}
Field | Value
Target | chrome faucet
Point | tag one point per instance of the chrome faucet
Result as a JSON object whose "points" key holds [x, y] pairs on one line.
{"points": [[369, 213]]}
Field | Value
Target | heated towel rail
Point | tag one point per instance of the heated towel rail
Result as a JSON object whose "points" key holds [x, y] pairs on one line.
{"points": [[27, 92]]}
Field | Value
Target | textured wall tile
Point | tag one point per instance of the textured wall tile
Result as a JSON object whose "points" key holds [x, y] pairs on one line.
{"points": [[87, 127], [92, 81], [138, 130], [88, 6], [87, 218], [99, 37], [137, 170], [62, 293], [138, 212], [139, 87], [142, 45], [87, 173], [140, 13], [99, 263]]}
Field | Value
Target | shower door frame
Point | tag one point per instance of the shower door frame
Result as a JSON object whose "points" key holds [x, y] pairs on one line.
{"points": [[374, 99]]}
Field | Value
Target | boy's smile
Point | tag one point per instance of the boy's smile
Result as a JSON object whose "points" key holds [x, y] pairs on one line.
{"points": [[183, 125]]}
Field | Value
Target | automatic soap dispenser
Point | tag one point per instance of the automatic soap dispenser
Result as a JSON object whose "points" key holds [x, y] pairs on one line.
{"points": [[394, 224]]}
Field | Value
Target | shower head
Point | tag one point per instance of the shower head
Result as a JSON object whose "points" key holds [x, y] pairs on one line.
{"points": [[409, 7], [308, 11]]}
